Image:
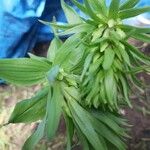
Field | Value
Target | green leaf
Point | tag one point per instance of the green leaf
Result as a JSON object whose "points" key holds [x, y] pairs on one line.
{"points": [[39, 58], [73, 92], [52, 74], [103, 94], [103, 7], [91, 12], [129, 4], [135, 81], [53, 110], [109, 55], [98, 6], [125, 90], [110, 86], [80, 6], [142, 37], [124, 54], [70, 131], [85, 125], [71, 15], [117, 118], [107, 134], [114, 9], [84, 27], [58, 26], [23, 71], [54, 46], [128, 13], [33, 140], [75, 57], [95, 66], [137, 52], [68, 46], [107, 120], [127, 28], [82, 138], [139, 69], [30, 110], [86, 64]]}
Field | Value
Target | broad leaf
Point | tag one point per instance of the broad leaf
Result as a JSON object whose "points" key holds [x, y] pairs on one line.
{"points": [[30, 110], [23, 71]]}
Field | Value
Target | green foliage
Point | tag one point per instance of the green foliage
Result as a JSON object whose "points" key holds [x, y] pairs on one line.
{"points": [[25, 71], [86, 79], [30, 110]]}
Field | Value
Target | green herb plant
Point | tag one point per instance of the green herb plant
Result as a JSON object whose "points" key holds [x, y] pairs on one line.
{"points": [[87, 79]]}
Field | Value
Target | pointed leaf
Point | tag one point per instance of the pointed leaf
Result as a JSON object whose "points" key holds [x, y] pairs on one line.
{"points": [[128, 13], [53, 110], [30, 110], [23, 71], [33, 140], [114, 9], [80, 116], [127, 28], [80, 6], [86, 64], [71, 15], [142, 37], [91, 12], [52, 74], [129, 4], [54, 46], [125, 90], [137, 52], [84, 27], [109, 55], [110, 86], [70, 131]]}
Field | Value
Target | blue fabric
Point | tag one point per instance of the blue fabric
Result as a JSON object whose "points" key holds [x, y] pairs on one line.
{"points": [[19, 26]]}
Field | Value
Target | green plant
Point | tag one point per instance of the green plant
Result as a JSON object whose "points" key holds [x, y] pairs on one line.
{"points": [[86, 79]]}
